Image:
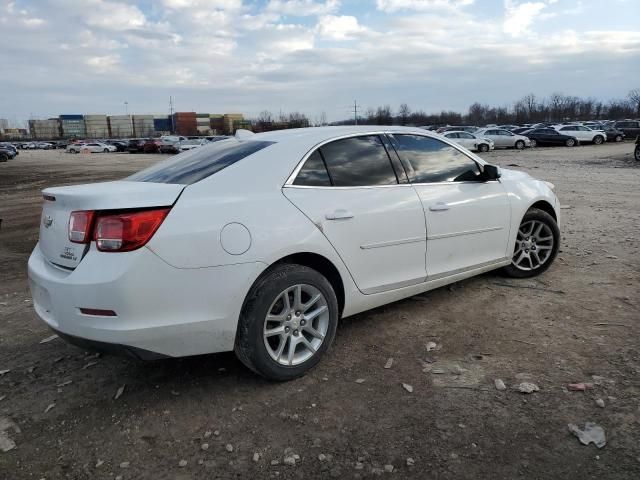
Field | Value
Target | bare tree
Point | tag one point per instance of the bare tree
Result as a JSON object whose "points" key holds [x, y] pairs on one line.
{"points": [[634, 98], [404, 113]]}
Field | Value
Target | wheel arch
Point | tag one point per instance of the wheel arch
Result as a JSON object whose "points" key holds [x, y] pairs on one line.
{"points": [[545, 207]]}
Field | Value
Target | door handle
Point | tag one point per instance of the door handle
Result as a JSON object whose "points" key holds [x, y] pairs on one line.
{"points": [[439, 207], [339, 214]]}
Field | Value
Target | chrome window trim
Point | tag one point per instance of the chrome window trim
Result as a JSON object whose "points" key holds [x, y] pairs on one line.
{"points": [[426, 133]]}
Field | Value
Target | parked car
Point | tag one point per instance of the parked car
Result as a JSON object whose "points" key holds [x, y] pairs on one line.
{"points": [[550, 137], [7, 153], [504, 138], [470, 141], [613, 134], [630, 128], [511, 128], [136, 145], [583, 134], [152, 145], [45, 145], [121, 145], [191, 144], [173, 261], [91, 147], [10, 146], [521, 130], [458, 128]]}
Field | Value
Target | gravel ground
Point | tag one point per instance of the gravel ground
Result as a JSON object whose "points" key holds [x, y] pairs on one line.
{"points": [[208, 417]]}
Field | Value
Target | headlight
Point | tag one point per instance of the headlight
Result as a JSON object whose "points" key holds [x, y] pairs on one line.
{"points": [[550, 185]]}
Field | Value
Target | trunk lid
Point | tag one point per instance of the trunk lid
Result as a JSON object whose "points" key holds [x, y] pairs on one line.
{"points": [[54, 225]]}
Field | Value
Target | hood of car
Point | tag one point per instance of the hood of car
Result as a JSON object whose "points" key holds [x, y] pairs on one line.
{"points": [[513, 175]]}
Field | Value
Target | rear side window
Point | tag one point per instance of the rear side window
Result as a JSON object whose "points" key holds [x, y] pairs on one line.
{"points": [[430, 160], [194, 165], [314, 172], [358, 161]]}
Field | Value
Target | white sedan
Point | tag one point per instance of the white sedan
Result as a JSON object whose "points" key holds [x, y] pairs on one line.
{"points": [[91, 147], [261, 243], [470, 141], [504, 138]]}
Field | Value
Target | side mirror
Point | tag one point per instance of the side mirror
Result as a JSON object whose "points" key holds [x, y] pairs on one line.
{"points": [[491, 172]]}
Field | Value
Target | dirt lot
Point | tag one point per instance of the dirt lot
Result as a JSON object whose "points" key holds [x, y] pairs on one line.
{"points": [[579, 322]]}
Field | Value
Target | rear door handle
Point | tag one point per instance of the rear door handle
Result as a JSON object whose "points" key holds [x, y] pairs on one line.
{"points": [[339, 214], [439, 207]]}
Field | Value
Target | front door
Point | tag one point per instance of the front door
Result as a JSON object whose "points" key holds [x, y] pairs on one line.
{"points": [[351, 191], [467, 219]]}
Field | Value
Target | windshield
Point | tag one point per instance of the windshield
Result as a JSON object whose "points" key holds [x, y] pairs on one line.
{"points": [[194, 165]]}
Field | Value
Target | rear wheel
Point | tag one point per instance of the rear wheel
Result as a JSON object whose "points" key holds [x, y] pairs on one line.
{"points": [[519, 145], [483, 147], [287, 323], [618, 138], [570, 142], [534, 143], [598, 140], [537, 245]]}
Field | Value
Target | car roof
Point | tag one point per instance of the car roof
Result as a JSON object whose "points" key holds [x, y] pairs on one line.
{"points": [[314, 135]]}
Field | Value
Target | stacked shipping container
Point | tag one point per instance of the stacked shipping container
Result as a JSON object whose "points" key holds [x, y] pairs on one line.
{"points": [[185, 123], [45, 129], [120, 126], [143, 125], [96, 126]]}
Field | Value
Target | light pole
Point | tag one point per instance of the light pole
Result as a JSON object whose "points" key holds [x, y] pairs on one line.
{"points": [[126, 108]]}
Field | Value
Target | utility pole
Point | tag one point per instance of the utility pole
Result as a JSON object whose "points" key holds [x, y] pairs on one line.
{"points": [[171, 114], [355, 112]]}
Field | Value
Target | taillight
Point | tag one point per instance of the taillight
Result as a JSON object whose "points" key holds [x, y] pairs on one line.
{"points": [[127, 231], [80, 223]]}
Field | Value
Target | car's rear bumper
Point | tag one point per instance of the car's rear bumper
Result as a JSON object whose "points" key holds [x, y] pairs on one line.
{"points": [[159, 309]]}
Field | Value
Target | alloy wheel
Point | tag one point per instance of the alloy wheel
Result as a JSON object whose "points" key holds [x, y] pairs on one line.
{"points": [[296, 325], [534, 245]]}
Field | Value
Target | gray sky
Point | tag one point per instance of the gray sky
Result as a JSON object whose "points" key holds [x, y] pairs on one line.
{"points": [[216, 56]]}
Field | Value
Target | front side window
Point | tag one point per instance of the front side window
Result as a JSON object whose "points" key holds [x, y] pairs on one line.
{"points": [[466, 135], [199, 163], [429, 160], [358, 161]]}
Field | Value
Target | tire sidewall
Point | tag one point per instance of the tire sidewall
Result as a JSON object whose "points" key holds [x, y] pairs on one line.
{"points": [[250, 338], [598, 140], [570, 143], [542, 216], [534, 143], [483, 148], [519, 144]]}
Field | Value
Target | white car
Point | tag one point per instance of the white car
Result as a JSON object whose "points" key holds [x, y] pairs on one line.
{"points": [[91, 147], [504, 138], [583, 134], [191, 144], [261, 243], [470, 141]]}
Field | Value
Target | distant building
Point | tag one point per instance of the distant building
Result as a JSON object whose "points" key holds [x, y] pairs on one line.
{"points": [[4, 124], [96, 126], [72, 126]]}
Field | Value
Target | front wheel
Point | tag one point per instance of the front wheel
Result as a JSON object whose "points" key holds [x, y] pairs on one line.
{"points": [[570, 142], [537, 244], [598, 140], [534, 143], [287, 323], [483, 148], [618, 138], [106, 150], [4, 157], [519, 145]]}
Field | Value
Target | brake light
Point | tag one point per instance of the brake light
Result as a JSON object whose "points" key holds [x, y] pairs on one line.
{"points": [[80, 223], [127, 231]]}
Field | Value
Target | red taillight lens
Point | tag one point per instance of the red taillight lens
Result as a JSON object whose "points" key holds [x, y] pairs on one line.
{"points": [[124, 232], [80, 223]]}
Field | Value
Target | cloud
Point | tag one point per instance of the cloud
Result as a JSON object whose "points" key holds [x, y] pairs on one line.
{"points": [[391, 6], [302, 8], [342, 27], [519, 16]]}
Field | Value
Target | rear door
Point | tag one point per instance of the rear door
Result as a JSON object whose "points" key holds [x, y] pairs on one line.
{"points": [[468, 219], [367, 210]]}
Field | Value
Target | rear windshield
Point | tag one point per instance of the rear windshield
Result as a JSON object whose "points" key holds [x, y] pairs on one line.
{"points": [[194, 165]]}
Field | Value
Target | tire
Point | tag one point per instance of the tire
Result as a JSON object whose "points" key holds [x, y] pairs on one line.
{"points": [[519, 145], [257, 350], [538, 232], [636, 153], [483, 147], [618, 138], [534, 143], [598, 140], [4, 157], [570, 142], [106, 150]]}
